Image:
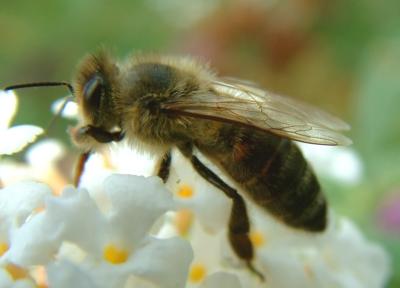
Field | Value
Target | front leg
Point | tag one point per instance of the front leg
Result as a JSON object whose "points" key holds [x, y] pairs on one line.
{"points": [[81, 134], [80, 166], [239, 224], [164, 166], [100, 135]]}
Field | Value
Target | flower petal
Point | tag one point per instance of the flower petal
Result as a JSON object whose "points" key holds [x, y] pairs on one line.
{"points": [[45, 153], [70, 111], [8, 107], [35, 242], [72, 217], [340, 257], [65, 274], [137, 202], [5, 279], [164, 262], [369, 262], [342, 164], [81, 218], [17, 138], [19, 200], [221, 280]]}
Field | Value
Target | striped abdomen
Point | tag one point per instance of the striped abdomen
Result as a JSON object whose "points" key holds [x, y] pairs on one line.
{"points": [[274, 173]]}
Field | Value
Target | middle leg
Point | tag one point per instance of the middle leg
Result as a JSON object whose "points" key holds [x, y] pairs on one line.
{"points": [[164, 166]]}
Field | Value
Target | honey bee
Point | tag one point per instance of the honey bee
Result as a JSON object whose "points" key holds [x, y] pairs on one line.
{"points": [[160, 103]]}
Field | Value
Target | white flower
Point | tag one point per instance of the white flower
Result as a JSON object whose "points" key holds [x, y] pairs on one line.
{"points": [[70, 110], [14, 139], [120, 158], [41, 165], [207, 253], [68, 274], [43, 154], [114, 244], [202, 217], [7, 280], [338, 257], [116, 235], [191, 191], [160, 262], [17, 203], [342, 164]]}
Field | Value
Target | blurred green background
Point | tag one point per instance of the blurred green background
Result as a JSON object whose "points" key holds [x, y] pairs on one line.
{"points": [[343, 56]]}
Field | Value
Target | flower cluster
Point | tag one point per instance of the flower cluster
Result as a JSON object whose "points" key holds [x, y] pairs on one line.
{"points": [[120, 230], [125, 235], [82, 245]]}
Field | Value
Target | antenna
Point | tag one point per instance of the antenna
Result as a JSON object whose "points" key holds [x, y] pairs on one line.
{"points": [[47, 84], [41, 84]]}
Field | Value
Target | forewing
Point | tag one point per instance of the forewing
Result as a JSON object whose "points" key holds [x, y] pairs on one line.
{"points": [[244, 103], [315, 116]]}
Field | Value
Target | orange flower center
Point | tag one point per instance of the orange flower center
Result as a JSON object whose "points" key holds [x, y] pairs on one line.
{"points": [[115, 255]]}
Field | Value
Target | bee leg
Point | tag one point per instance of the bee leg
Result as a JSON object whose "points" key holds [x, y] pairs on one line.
{"points": [[239, 224], [80, 166], [164, 166], [101, 135]]}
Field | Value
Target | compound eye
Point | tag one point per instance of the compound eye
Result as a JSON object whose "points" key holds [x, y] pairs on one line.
{"points": [[93, 91]]}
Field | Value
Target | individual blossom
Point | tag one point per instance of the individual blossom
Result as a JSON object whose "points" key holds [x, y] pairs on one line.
{"points": [[18, 203], [341, 164], [14, 138], [68, 110]]}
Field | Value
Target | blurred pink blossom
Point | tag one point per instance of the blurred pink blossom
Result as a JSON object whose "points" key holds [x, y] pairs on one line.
{"points": [[389, 212]]}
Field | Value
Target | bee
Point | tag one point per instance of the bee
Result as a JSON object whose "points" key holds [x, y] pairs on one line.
{"points": [[159, 103]]}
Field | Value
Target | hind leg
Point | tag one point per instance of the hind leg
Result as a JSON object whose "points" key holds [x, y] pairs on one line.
{"points": [[239, 224]]}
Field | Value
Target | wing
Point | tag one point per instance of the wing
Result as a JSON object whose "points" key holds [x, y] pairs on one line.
{"points": [[244, 103]]}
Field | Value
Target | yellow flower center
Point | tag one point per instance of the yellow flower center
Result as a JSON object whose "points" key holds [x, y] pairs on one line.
{"points": [[16, 272], [257, 238], [308, 271], [3, 248], [183, 221], [197, 273], [40, 275], [185, 191], [115, 255]]}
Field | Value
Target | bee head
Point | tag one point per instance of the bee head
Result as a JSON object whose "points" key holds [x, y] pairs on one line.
{"points": [[96, 88]]}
